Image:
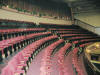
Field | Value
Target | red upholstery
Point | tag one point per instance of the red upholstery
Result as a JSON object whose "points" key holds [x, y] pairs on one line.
{"points": [[75, 61], [21, 58], [62, 69], [20, 30], [75, 42], [69, 32], [46, 62], [71, 35], [12, 41], [85, 44], [79, 37], [60, 29]]}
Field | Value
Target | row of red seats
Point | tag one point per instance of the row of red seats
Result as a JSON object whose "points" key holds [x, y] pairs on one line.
{"points": [[82, 37], [22, 60], [74, 35], [88, 37], [2, 31], [75, 60], [12, 41], [65, 32], [10, 33], [60, 56], [83, 45], [54, 29], [46, 60], [89, 40]]}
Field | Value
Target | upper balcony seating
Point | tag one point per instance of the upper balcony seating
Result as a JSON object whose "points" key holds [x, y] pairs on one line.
{"points": [[22, 60], [9, 33], [9, 46]]}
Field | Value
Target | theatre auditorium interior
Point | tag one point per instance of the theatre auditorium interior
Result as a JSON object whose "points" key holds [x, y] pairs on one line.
{"points": [[49, 37]]}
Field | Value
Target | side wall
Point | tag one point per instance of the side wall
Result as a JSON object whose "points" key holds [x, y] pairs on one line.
{"points": [[92, 18], [89, 21]]}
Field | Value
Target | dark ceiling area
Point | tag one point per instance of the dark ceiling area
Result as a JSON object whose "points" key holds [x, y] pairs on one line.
{"points": [[50, 4], [55, 4], [81, 6], [78, 6], [86, 6]]}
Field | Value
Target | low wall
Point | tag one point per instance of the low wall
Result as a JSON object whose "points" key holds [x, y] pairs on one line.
{"points": [[4, 14]]}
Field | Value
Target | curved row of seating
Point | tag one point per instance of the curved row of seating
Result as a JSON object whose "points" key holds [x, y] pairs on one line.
{"points": [[72, 32], [20, 30], [22, 60], [46, 59], [76, 52], [60, 56], [76, 61], [73, 35], [35, 39], [9, 33], [8, 46], [63, 29], [79, 39], [83, 41]]}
